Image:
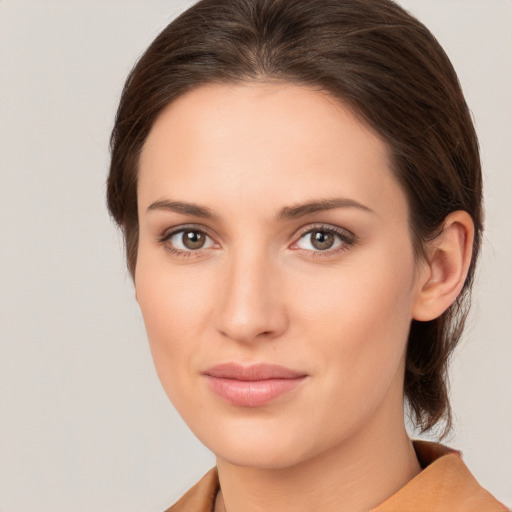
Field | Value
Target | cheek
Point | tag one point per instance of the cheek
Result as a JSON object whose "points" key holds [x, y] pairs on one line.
{"points": [[171, 297], [175, 307], [358, 315]]}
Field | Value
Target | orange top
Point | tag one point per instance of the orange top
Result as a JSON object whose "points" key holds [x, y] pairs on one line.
{"points": [[444, 485]]}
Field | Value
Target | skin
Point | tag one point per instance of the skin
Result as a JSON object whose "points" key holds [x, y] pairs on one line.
{"points": [[258, 290]]}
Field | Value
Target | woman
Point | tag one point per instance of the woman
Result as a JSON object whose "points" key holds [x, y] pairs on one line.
{"points": [[299, 187]]}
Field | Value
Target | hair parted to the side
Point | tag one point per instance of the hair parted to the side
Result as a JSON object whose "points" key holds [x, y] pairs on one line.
{"points": [[372, 56]]}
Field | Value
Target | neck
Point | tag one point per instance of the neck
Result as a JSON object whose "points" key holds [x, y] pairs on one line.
{"points": [[355, 476]]}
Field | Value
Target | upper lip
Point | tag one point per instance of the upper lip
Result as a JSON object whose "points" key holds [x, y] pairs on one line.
{"points": [[253, 372]]}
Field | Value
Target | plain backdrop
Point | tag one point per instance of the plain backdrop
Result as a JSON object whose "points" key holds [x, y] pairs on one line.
{"points": [[84, 424]]}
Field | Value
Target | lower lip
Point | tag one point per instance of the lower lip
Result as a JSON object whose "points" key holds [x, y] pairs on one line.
{"points": [[252, 393]]}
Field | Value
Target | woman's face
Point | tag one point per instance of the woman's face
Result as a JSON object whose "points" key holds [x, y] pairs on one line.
{"points": [[275, 271]]}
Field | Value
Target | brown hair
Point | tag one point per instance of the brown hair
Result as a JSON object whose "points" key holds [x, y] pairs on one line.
{"points": [[373, 56]]}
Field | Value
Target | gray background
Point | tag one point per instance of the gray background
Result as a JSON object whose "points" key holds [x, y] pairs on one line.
{"points": [[84, 424]]}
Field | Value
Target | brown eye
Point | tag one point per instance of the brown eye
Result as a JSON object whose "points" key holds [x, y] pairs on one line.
{"points": [[317, 240], [322, 240], [187, 240], [193, 239]]}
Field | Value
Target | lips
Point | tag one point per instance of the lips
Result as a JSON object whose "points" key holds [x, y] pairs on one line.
{"points": [[254, 385]]}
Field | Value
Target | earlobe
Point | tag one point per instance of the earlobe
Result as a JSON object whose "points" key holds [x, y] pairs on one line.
{"points": [[446, 268]]}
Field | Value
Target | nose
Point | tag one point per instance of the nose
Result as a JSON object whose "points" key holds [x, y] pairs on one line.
{"points": [[251, 304]]}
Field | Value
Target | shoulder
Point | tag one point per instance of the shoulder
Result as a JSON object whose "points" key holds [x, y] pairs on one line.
{"points": [[444, 485]]}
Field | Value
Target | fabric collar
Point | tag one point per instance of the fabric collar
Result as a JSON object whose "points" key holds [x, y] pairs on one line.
{"points": [[444, 485]]}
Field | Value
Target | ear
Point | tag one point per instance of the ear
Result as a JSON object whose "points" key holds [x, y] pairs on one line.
{"points": [[444, 272]]}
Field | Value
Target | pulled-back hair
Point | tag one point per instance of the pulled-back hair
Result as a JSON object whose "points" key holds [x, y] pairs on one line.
{"points": [[372, 56]]}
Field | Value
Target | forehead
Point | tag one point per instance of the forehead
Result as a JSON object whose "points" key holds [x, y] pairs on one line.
{"points": [[278, 141]]}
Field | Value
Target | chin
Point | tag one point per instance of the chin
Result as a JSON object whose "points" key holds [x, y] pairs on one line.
{"points": [[267, 455], [260, 443]]}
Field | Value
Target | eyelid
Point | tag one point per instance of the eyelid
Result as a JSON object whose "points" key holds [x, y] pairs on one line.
{"points": [[347, 237], [170, 232]]}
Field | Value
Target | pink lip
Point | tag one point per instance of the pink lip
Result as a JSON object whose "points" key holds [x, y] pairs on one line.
{"points": [[254, 385]]}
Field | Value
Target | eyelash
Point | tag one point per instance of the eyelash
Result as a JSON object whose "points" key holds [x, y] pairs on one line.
{"points": [[346, 238], [167, 235]]}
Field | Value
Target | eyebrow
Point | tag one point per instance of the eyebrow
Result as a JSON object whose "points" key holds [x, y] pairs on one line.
{"points": [[286, 213], [181, 207], [311, 207]]}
